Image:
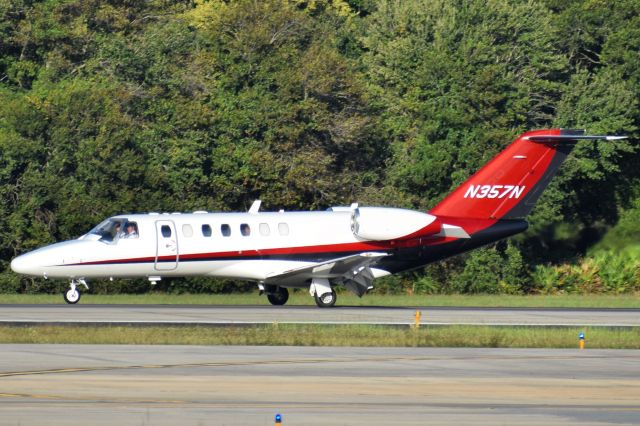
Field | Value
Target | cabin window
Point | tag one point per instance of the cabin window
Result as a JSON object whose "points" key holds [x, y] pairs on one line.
{"points": [[283, 228], [206, 231], [166, 231], [245, 229], [264, 229], [187, 230], [225, 230]]}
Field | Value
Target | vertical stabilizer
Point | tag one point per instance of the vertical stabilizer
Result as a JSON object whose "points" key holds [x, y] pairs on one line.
{"points": [[509, 185]]}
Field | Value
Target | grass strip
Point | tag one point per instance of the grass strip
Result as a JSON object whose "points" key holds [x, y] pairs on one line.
{"points": [[331, 335], [345, 299]]}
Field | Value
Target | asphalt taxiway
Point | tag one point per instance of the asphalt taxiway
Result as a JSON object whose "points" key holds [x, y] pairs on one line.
{"points": [[215, 385], [261, 314]]}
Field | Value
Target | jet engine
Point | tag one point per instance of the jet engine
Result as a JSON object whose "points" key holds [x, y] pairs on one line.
{"points": [[382, 223]]}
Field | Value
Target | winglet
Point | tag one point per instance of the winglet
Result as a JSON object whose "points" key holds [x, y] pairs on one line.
{"points": [[615, 138]]}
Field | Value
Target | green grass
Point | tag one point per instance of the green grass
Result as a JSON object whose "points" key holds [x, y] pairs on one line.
{"points": [[331, 335], [346, 299]]}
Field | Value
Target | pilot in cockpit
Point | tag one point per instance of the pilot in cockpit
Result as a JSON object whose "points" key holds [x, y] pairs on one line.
{"points": [[131, 231], [116, 231]]}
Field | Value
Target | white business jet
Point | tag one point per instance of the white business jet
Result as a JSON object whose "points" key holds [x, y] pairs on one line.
{"points": [[319, 250]]}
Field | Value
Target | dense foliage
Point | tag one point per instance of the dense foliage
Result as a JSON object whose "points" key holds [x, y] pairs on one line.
{"points": [[124, 106]]}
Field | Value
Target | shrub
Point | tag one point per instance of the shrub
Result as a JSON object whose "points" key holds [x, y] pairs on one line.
{"points": [[9, 282], [608, 271], [492, 271]]}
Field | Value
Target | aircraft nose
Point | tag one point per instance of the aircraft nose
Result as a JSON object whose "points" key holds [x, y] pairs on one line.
{"points": [[25, 265]]}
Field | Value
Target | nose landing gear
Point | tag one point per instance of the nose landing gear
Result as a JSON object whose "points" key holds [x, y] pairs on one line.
{"points": [[72, 296]]}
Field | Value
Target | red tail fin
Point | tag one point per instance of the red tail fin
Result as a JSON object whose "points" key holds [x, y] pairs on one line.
{"points": [[509, 185]]}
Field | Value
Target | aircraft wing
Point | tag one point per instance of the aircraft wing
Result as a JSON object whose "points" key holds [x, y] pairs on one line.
{"points": [[354, 269]]}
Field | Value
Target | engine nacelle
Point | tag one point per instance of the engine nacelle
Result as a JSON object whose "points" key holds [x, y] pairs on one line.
{"points": [[382, 223]]}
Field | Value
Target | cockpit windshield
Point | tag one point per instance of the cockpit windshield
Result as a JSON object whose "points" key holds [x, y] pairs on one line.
{"points": [[109, 230]]}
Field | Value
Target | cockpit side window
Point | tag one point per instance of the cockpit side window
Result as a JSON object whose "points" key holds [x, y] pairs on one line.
{"points": [[109, 230]]}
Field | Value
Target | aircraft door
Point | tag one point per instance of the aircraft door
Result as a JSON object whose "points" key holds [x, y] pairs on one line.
{"points": [[167, 246]]}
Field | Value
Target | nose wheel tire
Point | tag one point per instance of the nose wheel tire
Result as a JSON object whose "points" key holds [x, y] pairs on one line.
{"points": [[278, 297], [326, 300], [72, 296]]}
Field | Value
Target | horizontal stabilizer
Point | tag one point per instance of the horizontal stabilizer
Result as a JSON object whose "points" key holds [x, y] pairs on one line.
{"points": [[567, 138], [452, 231]]}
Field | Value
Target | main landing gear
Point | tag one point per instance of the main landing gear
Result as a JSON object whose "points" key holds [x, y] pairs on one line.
{"points": [[322, 292], [326, 300], [278, 296], [72, 296]]}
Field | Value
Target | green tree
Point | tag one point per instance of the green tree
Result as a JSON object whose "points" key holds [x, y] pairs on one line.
{"points": [[459, 81], [111, 107], [291, 120]]}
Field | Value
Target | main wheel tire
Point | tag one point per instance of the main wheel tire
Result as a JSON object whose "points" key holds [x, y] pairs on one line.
{"points": [[72, 296], [279, 297], [326, 300]]}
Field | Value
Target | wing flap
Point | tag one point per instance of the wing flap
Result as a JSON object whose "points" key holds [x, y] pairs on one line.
{"points": [[340, 268]]}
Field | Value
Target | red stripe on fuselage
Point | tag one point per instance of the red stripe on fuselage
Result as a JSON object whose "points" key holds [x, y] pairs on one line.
{"points": [[343, 249]]}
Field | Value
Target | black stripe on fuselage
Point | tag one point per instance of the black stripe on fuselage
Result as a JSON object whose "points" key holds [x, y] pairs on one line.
{"points": [[414, 258]]}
